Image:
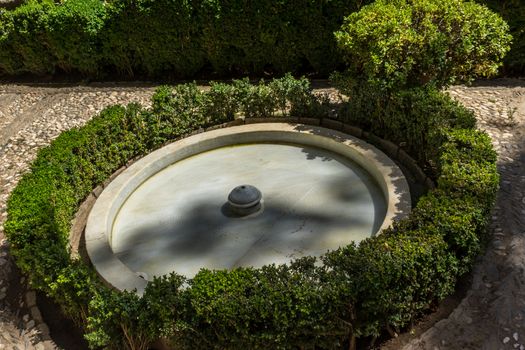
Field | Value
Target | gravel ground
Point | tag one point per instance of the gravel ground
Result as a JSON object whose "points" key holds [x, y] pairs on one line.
{"points": [[491, 316]]}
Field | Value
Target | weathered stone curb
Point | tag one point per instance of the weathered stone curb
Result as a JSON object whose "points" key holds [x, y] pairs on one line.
{"points": [[35, 320]]}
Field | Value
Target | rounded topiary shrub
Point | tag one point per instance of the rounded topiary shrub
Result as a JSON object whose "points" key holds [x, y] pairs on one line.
{"points": [[405, 43]]}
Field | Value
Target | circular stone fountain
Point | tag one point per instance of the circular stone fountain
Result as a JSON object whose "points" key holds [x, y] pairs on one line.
{"points": [[241, 196]]}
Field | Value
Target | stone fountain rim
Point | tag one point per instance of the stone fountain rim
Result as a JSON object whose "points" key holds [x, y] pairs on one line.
{"points": [[383, 170]]}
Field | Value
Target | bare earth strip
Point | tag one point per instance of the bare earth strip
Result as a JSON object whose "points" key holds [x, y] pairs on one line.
{"points": [[491, 316]]}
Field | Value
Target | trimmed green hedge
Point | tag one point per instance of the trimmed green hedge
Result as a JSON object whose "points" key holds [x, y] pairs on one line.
{"points": [[385, 282], [181, 38], [416, 118], [176, 38]]}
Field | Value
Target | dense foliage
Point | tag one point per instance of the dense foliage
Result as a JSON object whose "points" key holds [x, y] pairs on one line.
{"points": [[405, 43], [182, 38], [512, 11], [177, 38], [358, 290], [415, 117]]}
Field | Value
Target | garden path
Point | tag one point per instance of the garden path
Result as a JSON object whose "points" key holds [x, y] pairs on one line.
{"points": [[30, 117], [491, 316]]}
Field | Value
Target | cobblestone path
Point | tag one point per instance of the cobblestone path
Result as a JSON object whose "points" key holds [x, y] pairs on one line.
{"points": [[492, 315], [30, 117]]}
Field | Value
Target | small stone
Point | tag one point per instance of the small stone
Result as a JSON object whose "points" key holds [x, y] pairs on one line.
{"points": [[516, 345], [2, 296], [25, 318], [506, 340], [36, 315], [44, 329], [30, 298], [30, 324], [515, 336], [2, 261]]}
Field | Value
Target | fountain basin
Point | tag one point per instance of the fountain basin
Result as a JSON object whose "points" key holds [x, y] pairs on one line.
{"points": [[321, 189]]}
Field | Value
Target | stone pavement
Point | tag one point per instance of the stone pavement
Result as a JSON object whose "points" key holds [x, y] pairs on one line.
{"points": [[490, 317], [30, 117], [492, 314]]}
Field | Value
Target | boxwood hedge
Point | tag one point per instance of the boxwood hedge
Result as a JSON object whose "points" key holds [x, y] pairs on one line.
{"points": [[383, 283], [180, 38], [176, 38]]}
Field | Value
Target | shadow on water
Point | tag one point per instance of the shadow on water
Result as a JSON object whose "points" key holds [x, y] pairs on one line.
{"points": [[206, 230], [342, 190], [407, 200], [317, 153], [346, 194]]}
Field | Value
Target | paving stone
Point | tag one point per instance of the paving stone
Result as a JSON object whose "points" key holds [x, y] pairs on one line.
{"points": [[491, 309], [36, 315], [30, 298], [31, 117]]}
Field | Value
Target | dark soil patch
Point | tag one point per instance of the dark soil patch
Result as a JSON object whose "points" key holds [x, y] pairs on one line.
{"points": [[442, 311], [15, 291], [10, 4], [64, 332]]}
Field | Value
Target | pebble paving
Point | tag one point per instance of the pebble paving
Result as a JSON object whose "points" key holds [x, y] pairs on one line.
{"points": [[491, 316], [30, 117]]}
